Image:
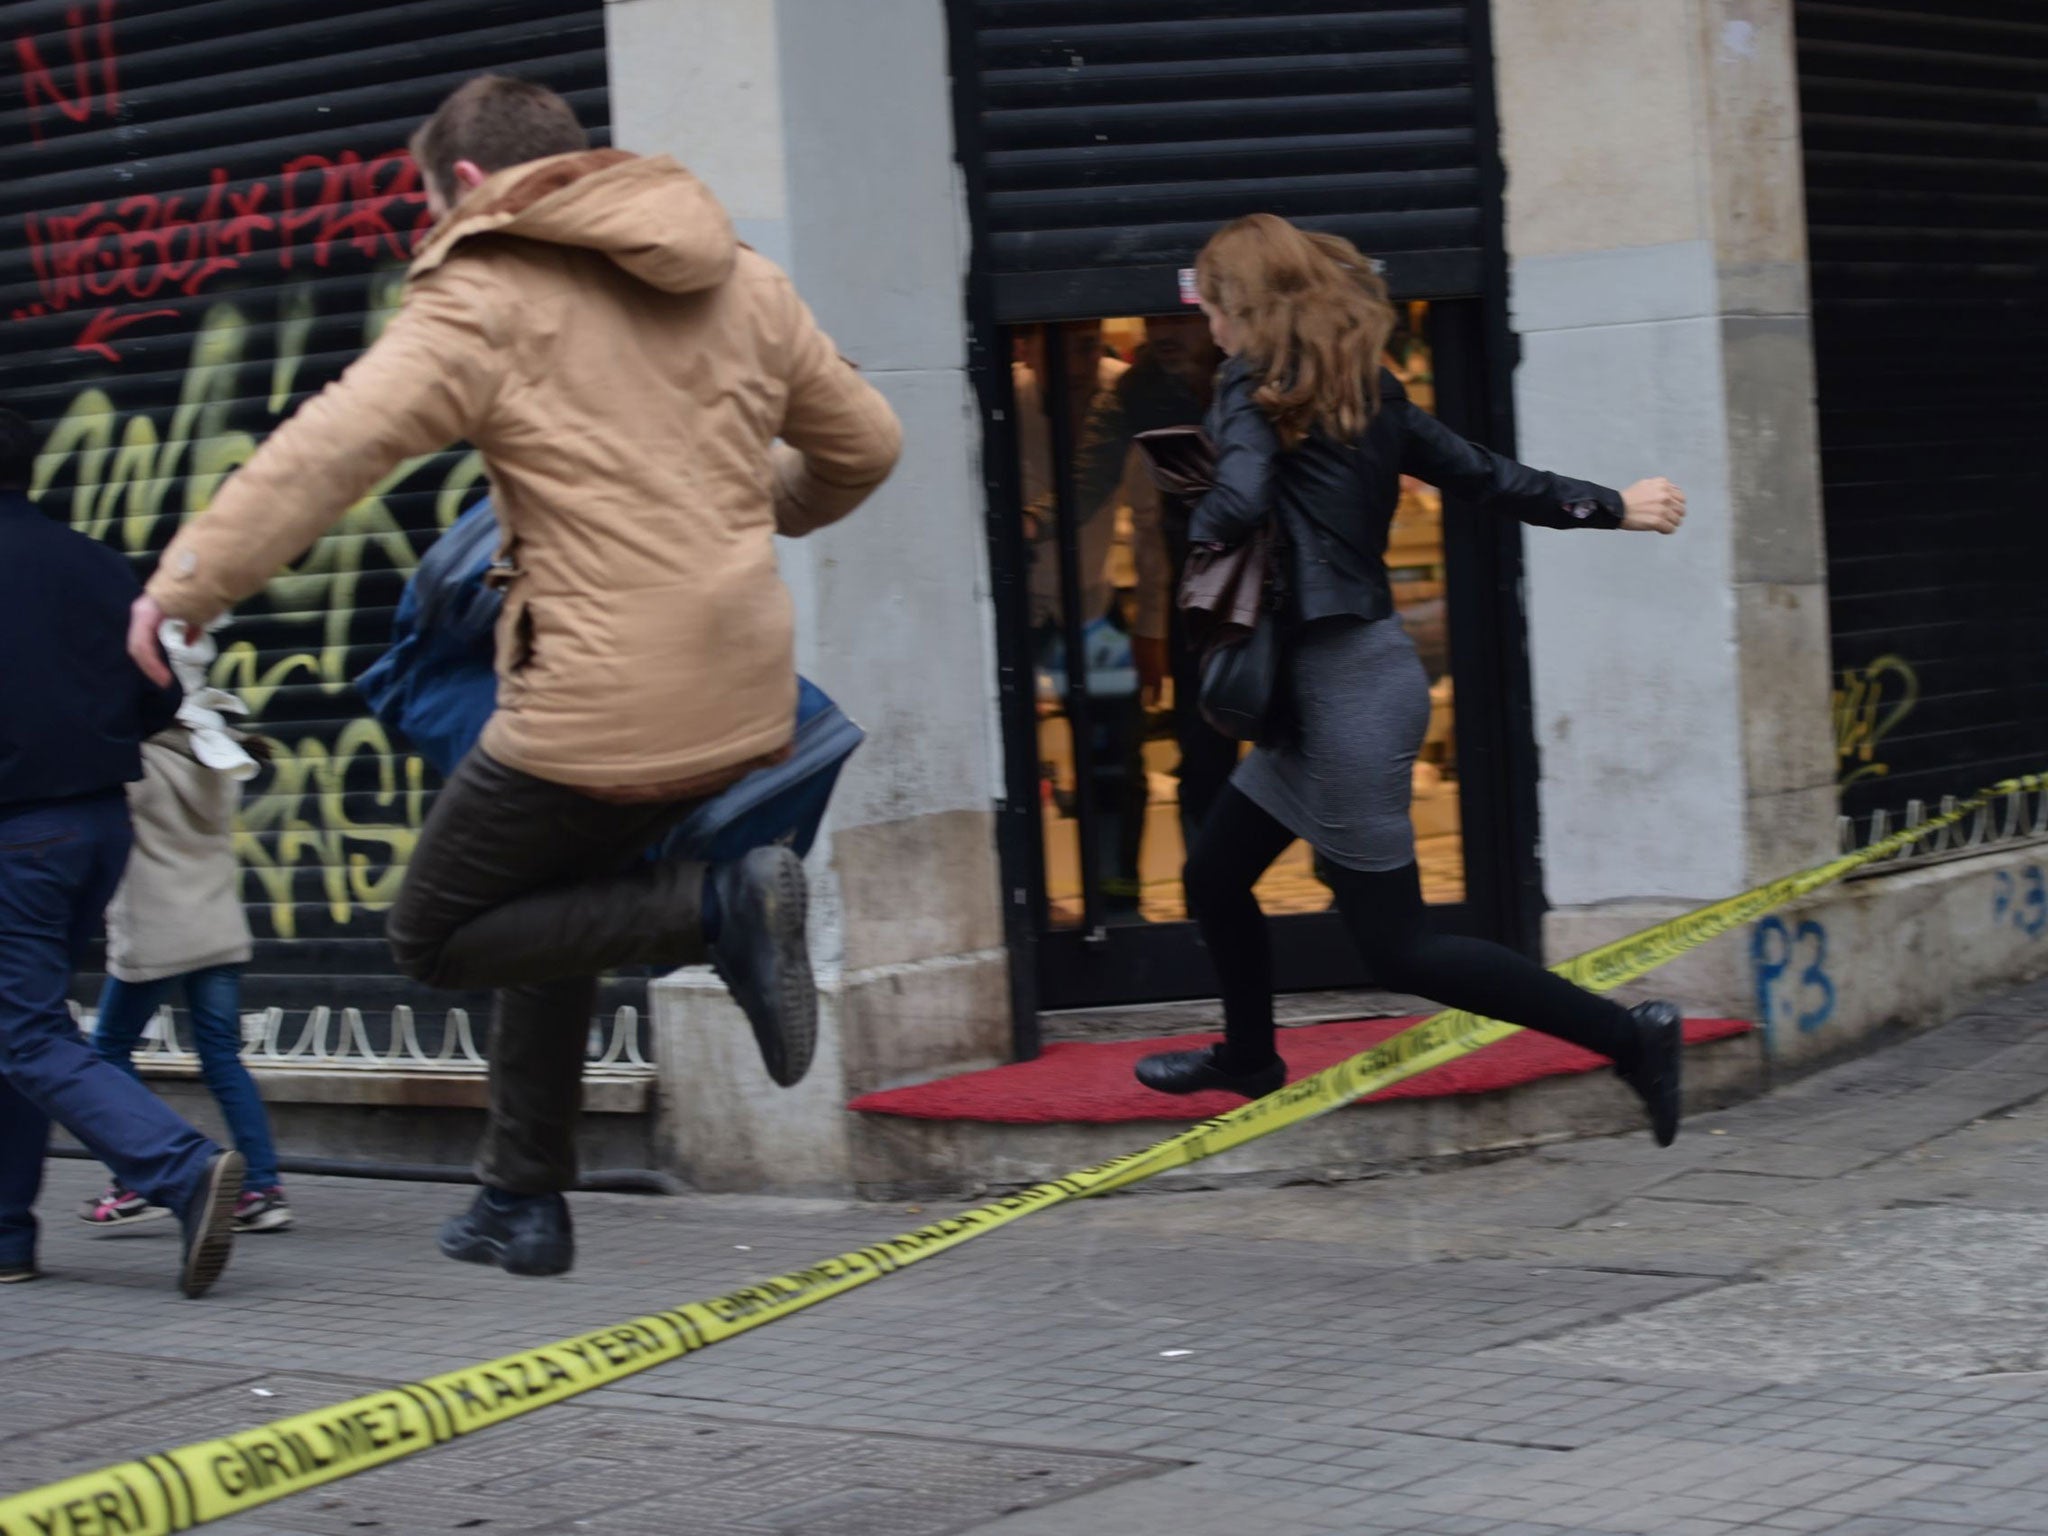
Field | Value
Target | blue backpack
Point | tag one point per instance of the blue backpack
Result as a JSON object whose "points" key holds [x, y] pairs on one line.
{"points": [[437, 686]]}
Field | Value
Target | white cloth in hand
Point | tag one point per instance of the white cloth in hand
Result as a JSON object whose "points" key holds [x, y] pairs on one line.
{"points": [[205, 706]]}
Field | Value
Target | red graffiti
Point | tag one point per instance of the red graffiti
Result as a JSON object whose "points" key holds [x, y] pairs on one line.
{"points": [[99, 331], [147, 247], [94, 77], [355, 202]]}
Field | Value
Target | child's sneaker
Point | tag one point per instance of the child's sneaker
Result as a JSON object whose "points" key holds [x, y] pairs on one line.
{"points": [[262, 1210], [119, 1207]]}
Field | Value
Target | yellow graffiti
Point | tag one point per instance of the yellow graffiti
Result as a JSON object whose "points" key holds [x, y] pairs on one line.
{"points": [[294, 324], [131, 489], [1866, 712], [321, 589], [201, 450], [304, 809], [130, 482]]}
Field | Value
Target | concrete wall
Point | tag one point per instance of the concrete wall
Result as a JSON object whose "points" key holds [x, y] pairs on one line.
{"points": [[827, 130], [422, 1119], [1656, 231], [1888, 952], [1656, 227]]}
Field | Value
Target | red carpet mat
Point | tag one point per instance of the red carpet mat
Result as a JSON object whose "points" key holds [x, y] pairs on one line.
{"points": [[1092, 1083]]}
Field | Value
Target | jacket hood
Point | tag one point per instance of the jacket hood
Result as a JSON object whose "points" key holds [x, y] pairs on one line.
{"points": [[645, 212]]}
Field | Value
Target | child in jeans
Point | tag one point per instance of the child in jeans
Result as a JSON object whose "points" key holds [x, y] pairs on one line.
{"points": [[176, 923]]}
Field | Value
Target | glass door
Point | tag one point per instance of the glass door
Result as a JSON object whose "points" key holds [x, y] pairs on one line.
{"points": [[1126, 767]]}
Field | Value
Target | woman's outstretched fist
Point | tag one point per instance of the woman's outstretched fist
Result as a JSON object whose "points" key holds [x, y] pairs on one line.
{"points": [[1652, 506]]}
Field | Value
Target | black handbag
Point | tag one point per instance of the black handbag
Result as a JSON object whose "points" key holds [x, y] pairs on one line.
{"points": [[1241, 681], [1229, 597]]}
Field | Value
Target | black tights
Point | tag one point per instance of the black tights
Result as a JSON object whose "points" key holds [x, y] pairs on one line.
{"points": [[1384, 914]]}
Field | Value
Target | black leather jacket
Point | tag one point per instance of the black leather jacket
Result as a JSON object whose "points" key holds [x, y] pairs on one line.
{"points": [[1334, 501]]}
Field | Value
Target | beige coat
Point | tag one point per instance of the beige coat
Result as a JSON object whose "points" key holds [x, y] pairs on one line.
{"points": [[179, 906], [625, 367]]}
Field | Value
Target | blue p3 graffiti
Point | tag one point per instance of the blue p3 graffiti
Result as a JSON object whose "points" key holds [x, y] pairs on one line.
{"points": [[1777, 951], [2022, 900]]}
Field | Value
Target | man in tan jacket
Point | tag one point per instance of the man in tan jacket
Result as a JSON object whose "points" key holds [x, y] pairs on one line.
{"points": [[587, 320]]}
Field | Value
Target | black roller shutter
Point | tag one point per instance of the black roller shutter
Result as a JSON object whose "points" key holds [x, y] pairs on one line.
{"points": [[206, 215], [1111, 137], [1926, 137]]}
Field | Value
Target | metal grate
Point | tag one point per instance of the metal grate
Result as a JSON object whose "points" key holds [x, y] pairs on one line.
{"points": [[2013, 821], [1115, 135], [346, 1039], [1926, 147], [206, 215]]}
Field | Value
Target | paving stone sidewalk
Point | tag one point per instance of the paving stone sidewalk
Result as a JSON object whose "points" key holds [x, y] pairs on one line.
{"points": [[1823, 1312]]}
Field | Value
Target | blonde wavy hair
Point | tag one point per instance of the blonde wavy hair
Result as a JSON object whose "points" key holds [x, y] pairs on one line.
{"points": [[1312, 318]]}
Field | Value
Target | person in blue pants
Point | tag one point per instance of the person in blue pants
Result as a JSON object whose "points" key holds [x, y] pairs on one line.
{"points": [[73, 713], [176, 927], [213, 998]]}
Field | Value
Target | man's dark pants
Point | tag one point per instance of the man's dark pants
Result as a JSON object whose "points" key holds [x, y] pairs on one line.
{"points": [[535, 889], [59, 864]]}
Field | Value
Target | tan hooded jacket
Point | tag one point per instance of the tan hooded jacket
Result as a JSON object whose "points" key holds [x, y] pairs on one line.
{"points": [[625, 367]]}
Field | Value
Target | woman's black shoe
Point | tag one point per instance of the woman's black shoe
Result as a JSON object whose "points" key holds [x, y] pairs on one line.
{"points": [[1658, 1069], [1197, 1072]]}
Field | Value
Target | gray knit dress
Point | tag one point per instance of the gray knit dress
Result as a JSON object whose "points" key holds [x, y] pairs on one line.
{"points": [[1342, 781]]}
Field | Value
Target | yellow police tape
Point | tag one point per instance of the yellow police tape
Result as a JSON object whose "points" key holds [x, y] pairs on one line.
{"points": [[177, 1489]]}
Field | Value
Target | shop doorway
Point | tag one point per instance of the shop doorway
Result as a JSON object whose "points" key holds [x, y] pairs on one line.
{"points": [[1100, 144], [1122, 766]]}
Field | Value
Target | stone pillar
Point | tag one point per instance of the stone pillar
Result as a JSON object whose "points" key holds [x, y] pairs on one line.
{"points": [[1656, 232], [827, 130]]}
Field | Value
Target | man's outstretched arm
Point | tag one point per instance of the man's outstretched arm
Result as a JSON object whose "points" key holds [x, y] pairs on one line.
{"points": [[840, 439], [423, 384]]}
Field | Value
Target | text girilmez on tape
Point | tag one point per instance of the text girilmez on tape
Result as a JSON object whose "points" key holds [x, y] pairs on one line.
{"points": [[209, 1480]]}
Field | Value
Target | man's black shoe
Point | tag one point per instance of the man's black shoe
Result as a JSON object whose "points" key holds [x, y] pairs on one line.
{"points": [[521, 1234], [19, 1274], [764, 957], [1197, 1072], [1658, 1070], [209, 1223]]}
